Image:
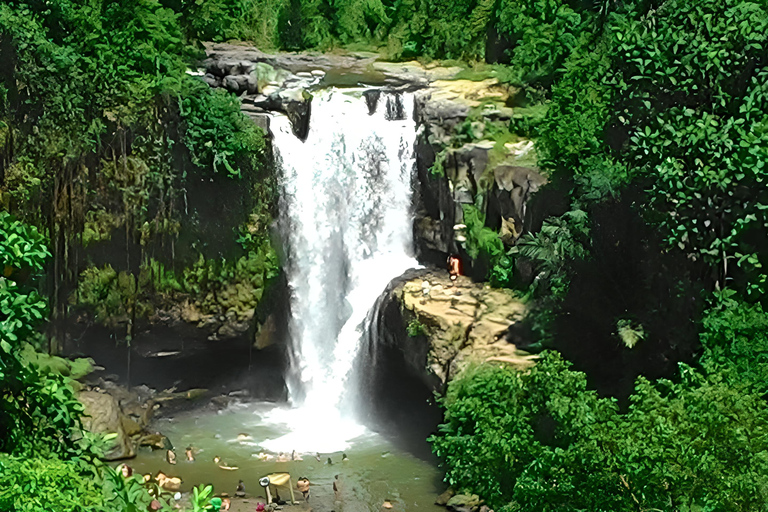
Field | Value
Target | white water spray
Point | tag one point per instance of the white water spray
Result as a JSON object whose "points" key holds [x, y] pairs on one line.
{"points": [[347, 224]]}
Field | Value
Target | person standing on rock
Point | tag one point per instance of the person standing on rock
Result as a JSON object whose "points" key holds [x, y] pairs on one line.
{"points": [[454, 267]]}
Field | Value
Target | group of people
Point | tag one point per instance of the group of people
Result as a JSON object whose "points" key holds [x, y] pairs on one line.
{"points": [[170, 455], [222, 503]]}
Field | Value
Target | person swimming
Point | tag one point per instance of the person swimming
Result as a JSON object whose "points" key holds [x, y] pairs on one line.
{"points": [[263, 456], [303, 485], [223, 465], [344, 457], [190, 454]]}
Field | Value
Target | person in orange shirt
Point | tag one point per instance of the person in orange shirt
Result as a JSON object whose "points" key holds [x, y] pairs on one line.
{"points": [[454, 267]]}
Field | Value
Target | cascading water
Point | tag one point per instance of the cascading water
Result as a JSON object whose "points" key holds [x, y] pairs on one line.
{"points": [[346, 222]]}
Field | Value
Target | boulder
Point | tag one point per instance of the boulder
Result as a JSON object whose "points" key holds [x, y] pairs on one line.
{"points": [[156, 442], [212, 80], [103, 416], [236, 83], [130, 426], [443, 499], [297, 105], [464, 503]]}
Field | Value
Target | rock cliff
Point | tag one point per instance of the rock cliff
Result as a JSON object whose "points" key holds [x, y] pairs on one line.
{"points": [[441, 328], [465, 156]]}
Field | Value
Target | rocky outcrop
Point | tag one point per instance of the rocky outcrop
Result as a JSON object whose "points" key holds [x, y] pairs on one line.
{"points": [[264, 88], [460, 163], [113, 409], [446, 327], [104, 416]]}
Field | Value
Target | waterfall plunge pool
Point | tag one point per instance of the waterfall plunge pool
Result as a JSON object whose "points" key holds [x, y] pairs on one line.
{"points": [[376, 469]]}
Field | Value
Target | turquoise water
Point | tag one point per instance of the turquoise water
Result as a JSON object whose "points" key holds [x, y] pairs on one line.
{"points": [[376, 470]]}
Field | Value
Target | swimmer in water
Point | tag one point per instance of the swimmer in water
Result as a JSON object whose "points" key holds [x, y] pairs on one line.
{"points": [[303, 486], [344, 457], [295, 456], [190, 454]]}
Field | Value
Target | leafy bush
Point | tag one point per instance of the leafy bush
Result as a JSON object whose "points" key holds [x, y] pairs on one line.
{"points": [[637, 107], [543, 33], [217, 133], [560, 241], [31, 484], [540, 440], [415, 328], [38, 410], [735, 339]]}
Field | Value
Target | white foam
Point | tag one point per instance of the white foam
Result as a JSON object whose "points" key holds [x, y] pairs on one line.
{"points": [[347, 223]]}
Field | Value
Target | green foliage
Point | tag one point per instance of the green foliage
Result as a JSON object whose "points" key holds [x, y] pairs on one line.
{"points": [[129, 494], [38, 410], [485, 242], [109, 294], [629, 333], [510, 435], [674, 98], [221, 286], [217, 134], [560, 240], [213, 20], [32, 484], [415, 328], [214, 286], [201, 497], [735, 340], [543, 34], [540, 440]]}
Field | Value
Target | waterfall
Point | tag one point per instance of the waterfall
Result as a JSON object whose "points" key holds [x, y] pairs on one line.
{"points": [[347, 228]]}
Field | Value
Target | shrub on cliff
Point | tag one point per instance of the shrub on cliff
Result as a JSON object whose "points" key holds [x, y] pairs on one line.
{"points": [[217, 134]]}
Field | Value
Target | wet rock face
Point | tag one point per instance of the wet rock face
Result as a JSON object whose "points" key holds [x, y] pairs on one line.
{"points": [[448, 327]]}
